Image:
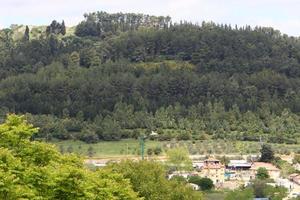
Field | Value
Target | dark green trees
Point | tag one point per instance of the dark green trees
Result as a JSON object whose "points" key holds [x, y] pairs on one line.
{"points": [[267, 153], [56, 28], [142, 72]]}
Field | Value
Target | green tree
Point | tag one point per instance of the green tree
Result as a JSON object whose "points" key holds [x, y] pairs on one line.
{"points": [[179, 159], [36, 170], [267, 153], [206, 184], [262, 173], [149, 180]]}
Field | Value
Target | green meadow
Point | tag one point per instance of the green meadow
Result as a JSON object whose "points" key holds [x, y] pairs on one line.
{"points": [[131, 147]]}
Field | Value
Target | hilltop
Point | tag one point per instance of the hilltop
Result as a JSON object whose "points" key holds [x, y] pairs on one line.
{"points": [[120, 75]]}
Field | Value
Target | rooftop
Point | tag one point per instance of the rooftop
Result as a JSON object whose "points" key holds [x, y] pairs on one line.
{"points": [[239, 163], [268, 166], [211, 160]]}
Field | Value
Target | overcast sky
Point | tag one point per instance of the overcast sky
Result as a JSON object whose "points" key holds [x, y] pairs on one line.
{"points": [[280, 14]]}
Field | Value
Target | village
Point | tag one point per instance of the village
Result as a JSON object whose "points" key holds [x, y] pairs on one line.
{"points": [[229, 173]]}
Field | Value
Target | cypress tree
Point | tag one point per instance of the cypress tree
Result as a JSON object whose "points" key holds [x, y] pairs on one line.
{"points": [[63, 28], [26, 34]]}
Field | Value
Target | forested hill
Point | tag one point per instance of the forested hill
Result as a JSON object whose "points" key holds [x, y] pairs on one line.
{"points": [[120, 75]]}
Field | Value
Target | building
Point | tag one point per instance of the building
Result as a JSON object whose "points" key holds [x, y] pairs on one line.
{"points": [[295, 178], [288, 184], [198, 165], [213, 169], [273, 171], [297, 166], [239, 165], [238, 170], [261, 199]]}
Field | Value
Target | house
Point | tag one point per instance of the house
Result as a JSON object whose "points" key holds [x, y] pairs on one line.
{"points": [[295, 178], [285, 183], [238, 170], [261, 199], [297, 166], [213, 169], [239, 165], [198, 165], [273, 171]]}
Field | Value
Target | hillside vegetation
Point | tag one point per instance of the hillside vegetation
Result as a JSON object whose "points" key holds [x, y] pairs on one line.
{"points": [[117, 76]]}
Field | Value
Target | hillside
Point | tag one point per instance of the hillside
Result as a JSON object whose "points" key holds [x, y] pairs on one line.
{"points": [[119, 75]]}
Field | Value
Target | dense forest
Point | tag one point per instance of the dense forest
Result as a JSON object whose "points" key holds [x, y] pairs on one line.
{"points": [[117, 76]]}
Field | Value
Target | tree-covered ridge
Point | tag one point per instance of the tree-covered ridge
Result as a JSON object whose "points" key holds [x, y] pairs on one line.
{"points": [[122, 74], [138, 37]]}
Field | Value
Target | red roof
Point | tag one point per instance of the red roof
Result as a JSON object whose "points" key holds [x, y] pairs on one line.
{"points": [[268, 166]]}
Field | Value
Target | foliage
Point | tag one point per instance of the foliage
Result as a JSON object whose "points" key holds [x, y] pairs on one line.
{"points": [[35, 170], [148, 179], [178, 178]]}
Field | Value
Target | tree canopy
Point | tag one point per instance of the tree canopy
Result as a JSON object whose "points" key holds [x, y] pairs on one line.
{"points": [[35, 170]]}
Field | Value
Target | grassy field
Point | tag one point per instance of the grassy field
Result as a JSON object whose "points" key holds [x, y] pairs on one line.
{"points": [[214, 196], [131, 147], [105, 149]]}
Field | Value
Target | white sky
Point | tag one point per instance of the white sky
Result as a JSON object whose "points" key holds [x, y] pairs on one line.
{"points": [[280, 14]]}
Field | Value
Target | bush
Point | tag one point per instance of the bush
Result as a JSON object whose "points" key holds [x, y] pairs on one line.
{"points": [[203, 183], [262, 173], [157, 150], [149, 151]]}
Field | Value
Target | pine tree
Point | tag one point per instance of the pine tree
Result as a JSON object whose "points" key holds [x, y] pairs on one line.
{"points": [[63, 28], [90, 151], [26, 34]]}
